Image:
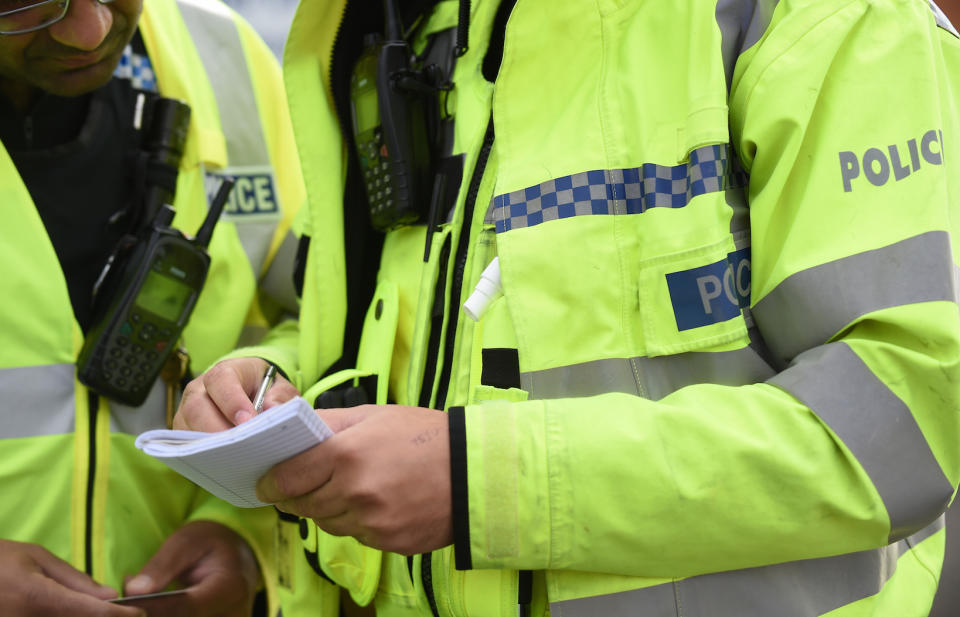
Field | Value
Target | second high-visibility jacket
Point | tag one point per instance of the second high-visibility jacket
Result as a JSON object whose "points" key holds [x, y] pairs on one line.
{"points": [[723, 375], [72, 479]]}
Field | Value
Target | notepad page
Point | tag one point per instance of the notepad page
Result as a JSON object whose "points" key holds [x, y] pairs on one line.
{"points": [[228, 464]]}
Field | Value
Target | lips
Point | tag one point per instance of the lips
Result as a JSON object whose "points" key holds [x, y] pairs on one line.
{"points": [[79, 61]]}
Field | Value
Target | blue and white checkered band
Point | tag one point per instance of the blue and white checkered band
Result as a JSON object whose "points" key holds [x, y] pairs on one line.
{"points": [[137, 69], [620, 191]]}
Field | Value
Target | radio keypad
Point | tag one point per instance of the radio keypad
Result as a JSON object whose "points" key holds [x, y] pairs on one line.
{"points": [[376, 173], [135, 351]]}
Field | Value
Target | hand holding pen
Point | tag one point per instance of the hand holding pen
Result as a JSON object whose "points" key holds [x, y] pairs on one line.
{"points": [[230, 393]]}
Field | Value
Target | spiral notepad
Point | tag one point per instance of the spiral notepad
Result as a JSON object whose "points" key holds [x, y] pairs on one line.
{"points": [[229, 463]]}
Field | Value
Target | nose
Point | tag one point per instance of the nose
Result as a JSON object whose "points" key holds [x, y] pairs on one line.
{"points": [[85, 25]]}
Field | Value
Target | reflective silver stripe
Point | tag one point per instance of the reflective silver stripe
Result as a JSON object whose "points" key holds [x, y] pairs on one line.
{"points": [[37, 400], [942, 19], [877, 427], [653, 378], [218, 43], [135, 420], [811, 306], [927, 531], [256, 238], [742, 23], [278, 281], [796, 589]]}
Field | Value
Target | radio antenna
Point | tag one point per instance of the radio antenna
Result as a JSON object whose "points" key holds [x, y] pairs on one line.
{"points": [[213, 215], [392, 16]]}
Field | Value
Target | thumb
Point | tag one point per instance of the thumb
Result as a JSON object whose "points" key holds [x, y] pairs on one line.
{"points": [[341, 419], [177, 554]]}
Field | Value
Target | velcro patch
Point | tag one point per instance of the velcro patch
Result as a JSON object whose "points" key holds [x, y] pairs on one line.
{"points": [[255, 191], [712, 293]]}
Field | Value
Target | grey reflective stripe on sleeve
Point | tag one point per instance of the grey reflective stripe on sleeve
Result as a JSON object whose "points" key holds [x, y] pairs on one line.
{"points": [[37, 400], [877, 427], [742, 23], [807, 588], [810, 307], [652, 378], [218, 43], [150, 415]]}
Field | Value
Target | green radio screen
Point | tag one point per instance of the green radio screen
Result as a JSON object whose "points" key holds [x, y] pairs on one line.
{"points": [[163, 296], [365, 108]]}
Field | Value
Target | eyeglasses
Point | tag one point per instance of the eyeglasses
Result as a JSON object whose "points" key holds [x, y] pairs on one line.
{"points": [[31, 15]]}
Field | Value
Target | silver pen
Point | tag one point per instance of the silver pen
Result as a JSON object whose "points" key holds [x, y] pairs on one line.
{"points": [[268, 377]]}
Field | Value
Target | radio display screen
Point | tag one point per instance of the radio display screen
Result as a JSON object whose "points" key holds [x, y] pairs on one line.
{"points": [[163, 296]]}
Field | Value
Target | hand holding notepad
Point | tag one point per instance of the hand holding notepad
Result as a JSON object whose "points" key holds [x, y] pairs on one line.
{"points": [[229, 463]]}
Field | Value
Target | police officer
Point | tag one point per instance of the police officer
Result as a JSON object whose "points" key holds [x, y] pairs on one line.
{"points": [[947, 601], [717, 372], [86, 515]]}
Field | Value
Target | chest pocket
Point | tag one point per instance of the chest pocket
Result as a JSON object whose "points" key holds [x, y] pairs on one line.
{"points": [[693, 299], [625, 263]]}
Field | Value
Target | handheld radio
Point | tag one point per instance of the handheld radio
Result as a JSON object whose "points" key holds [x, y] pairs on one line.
{"points": [[151, 296], [388, 109], [150, 284]]}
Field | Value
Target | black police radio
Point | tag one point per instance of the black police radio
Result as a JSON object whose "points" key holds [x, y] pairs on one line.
{"points": [[389, 114], [150, 284]]}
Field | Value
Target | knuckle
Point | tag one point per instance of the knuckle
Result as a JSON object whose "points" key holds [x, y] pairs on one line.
{"points": [[216, 373], [194, 387]]}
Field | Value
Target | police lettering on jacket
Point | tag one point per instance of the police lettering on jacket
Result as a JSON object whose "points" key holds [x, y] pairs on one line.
{"points": [[878, 165], [254, 191]]}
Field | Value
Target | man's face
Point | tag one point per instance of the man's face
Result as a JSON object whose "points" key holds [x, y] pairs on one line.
{"points": [[73, 56]]}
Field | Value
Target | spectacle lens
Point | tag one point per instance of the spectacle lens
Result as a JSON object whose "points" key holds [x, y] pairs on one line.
{"points": [[22, 16]]}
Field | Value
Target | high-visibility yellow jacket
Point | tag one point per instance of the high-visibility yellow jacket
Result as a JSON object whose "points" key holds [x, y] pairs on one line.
{"points": [[72, 478], [723, 375]]}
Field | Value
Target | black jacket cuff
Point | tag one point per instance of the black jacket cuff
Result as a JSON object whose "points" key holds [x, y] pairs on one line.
{"points": [[459, 493]]}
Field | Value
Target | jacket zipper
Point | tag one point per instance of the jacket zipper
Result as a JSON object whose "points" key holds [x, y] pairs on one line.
{"points": [[93, 401], [463, 244], [436, 326]]}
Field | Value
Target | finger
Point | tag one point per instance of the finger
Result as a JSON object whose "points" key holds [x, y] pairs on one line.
{"points": [[197, 411], [232, 383], [343, 524], [326, 502], [48, 598], [215, 593], [341, 419], [177, 554], [299, 475], [224, 580], [63, 573]]}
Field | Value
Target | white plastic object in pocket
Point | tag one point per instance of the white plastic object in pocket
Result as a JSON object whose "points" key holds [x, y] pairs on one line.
{"points": [[487, 290]]}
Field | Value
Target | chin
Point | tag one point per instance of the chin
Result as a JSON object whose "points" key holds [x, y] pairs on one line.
{"points": [[80, 81]]}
